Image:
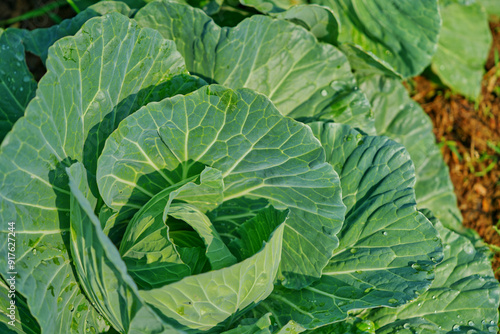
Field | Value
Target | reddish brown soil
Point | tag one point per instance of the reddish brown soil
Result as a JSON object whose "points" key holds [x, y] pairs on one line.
{"points": [[469, 127]]}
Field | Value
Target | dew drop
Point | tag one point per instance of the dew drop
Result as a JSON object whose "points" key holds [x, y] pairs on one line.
{"points": [[434, 297], [471, 323], [354, 250], [384, 233], [406, 325], [34, 251], [324, 93], [416, 266], [456, 328], [469, 249]]}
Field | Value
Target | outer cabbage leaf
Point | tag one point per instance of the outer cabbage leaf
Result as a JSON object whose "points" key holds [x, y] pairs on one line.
{"points": [[272, 6], [401, 33], [38, 41], [403, 120], [324, 24], [84, 95], [387, 250], [17, 86], [102, 273], [302, 77], [464, 45], [260, 153], [23, 320], [210, 7], [319, 20], [464, 296], [365, 62]]}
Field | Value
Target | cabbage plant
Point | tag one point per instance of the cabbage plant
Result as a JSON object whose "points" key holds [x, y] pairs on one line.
{"points": [[171, 175]]}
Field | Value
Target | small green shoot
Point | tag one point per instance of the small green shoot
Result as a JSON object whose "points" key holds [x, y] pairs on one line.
{"points": [[47, 9], [54, 17], [493, 146], [496, 90], [477, 102], [74, 6], [34, 13], [487, 112], [486, 170], [447, 94], [452, 145]]}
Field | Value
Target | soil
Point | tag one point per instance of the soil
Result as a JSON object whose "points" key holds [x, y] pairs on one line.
{"points": [[468, 132], [13, 8]]}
